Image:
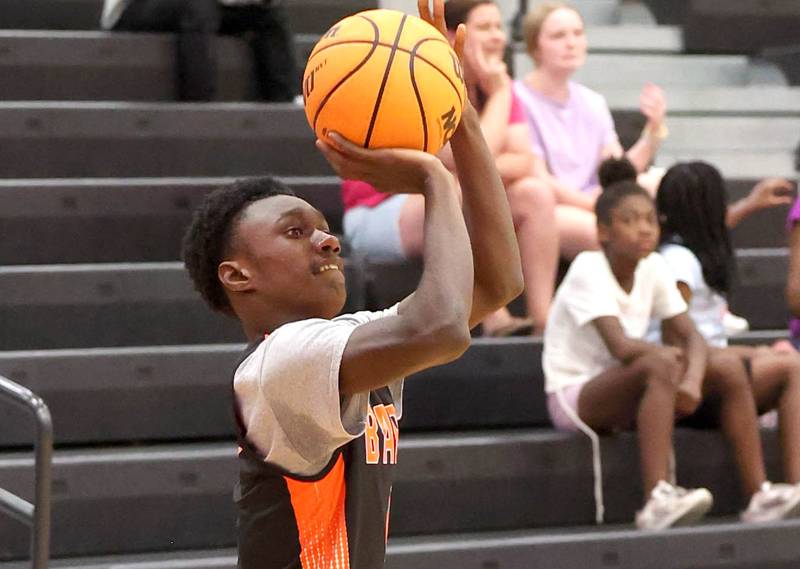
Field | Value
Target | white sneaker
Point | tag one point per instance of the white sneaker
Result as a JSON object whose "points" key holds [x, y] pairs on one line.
{"points": [[772, 503], [672, 505], [734, 325]]}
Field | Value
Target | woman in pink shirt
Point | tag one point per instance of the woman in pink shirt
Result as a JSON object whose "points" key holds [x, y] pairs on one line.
{"points": [[390, 227], [571, 127]]}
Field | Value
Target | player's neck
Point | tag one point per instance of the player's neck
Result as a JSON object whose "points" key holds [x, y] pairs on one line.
{"points": [[260, 320]]}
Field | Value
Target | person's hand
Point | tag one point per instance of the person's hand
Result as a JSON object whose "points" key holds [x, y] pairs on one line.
{"points": [[670, 354], [389, 170], [491, 73], [688, 398], [653, 105], [770, 192]]}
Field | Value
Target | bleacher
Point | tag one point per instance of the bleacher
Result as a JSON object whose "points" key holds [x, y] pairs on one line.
{"points": [[99, 174]]}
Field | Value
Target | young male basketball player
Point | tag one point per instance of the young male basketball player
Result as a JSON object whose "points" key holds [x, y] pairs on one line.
{"points": [[318, 398]]}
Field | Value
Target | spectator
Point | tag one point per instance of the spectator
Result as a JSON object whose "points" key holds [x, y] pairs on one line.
{"points": [[196, 22], [601, 376], [571, 127], [390, 228], [793, 282], [691, 204]]}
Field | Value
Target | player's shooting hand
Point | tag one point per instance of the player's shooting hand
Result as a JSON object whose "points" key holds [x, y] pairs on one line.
{"points": [[390, 170], [436, 19]]}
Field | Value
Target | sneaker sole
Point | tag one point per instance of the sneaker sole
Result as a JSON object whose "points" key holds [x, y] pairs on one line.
{"points": [[687, 517]]}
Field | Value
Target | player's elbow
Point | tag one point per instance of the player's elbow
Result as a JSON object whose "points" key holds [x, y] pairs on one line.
{"points": [[451, 340]]}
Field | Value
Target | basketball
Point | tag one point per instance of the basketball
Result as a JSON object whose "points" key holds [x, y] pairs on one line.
{"points": [[382, 79]]}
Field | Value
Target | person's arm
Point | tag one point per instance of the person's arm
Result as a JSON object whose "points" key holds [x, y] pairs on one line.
{"points": [[793, 280], [516, 161], [565, 194], [619, 345], [769, 192], [498, 273], [680, 331], [431, 327], [653, 105]]}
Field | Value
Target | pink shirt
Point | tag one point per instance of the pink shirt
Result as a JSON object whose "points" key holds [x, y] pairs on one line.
{"points": [[570, 136], [355, 193]]}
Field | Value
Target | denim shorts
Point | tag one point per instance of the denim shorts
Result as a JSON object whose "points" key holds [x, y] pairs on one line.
{"points": [[375, 231]]}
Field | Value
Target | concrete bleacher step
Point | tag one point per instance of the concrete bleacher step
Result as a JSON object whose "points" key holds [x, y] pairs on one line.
{"points": [[81, 139], [668, 70], [108, 395], [51, 140], [716, 545], [305, 16], [124, 304], [52, 221], [173, 497], [119, 66], [118, 220], [759, 294]]}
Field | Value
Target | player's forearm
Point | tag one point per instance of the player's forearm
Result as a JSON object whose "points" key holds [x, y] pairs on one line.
{"points": [[440, 306], [498, 274]]}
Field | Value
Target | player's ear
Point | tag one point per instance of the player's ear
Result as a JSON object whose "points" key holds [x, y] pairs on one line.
{"points": [[234, 276]]}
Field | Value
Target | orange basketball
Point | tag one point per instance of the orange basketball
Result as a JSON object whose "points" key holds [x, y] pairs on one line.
{"points": [[383, 79]]}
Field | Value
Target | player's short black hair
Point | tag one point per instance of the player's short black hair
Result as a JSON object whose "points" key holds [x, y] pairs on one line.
{"points": [[207, 238], [614, 194]]}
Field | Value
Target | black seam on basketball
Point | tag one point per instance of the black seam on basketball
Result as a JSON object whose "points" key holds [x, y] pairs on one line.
{"points": [[417, 95], [385, 80], [351, 73], [429, 62]]}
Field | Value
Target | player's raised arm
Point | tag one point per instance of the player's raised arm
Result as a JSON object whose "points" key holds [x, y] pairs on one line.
{"points": [[498, 272], [431, 327]]}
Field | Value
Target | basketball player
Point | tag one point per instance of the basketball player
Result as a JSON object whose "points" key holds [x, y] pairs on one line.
{"points": [[318, 398]]}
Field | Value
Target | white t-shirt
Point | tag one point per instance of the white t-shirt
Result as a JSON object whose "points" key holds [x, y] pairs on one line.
{"points": [[574, 351], [288, 393], [706, 307]]}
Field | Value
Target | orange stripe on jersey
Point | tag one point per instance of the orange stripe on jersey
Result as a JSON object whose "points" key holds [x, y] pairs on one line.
{"points": [[319, 508]]}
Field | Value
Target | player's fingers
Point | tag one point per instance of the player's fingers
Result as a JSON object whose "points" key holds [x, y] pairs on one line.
{"points": [[345, 146], [423, 7], [461, 38], [438, 16]]}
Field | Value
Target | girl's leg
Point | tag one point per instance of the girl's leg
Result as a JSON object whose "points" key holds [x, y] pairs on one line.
{"points": [[727, 381], [577, 230], [641, 394], [533, 210], [776, 385]]}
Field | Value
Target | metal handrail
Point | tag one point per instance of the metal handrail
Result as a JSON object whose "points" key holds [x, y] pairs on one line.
{"points": [[36, 515]]}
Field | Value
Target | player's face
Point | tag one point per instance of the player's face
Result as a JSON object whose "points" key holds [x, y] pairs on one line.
{"points": [[633, 232], [562, 42], [485, 28], [292, 257]]}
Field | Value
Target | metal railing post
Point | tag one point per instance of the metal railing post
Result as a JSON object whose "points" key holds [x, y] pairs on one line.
{"points": [[36, 515]]}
